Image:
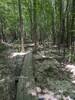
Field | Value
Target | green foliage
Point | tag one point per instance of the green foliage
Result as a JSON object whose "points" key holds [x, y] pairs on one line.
{"points": [[2, 47], [49, 18]]}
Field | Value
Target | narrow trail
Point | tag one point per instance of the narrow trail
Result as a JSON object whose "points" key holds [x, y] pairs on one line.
{"points": [[25, 82]]}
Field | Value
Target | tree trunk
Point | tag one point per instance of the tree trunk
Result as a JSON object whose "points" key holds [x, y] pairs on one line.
{"points": [[34, 35], [2, 31], [21, 25], [53, 27]]}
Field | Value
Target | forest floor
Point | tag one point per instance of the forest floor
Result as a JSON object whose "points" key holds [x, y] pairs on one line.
{"points": [[51, 73]]}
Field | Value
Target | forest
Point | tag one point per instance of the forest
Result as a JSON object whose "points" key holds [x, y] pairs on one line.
{"points": [[37, 49]]}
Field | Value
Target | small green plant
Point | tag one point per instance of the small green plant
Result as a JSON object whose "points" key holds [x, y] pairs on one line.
{"points": [[2, 47]]}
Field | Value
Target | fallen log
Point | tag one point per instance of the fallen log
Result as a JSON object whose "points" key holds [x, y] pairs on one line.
{"points": [[7, 44], [16, 45]]}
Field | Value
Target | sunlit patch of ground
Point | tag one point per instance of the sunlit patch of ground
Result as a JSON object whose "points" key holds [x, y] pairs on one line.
{"points": [[71, 68], [47, 95], [14, 54]]}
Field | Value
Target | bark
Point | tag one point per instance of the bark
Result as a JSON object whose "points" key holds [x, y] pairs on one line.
{"points": [[21, 25], [67, 24], [2, 31], [34, 36], [53, 27]]}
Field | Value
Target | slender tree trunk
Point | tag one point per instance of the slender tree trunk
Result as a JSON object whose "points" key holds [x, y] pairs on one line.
{"points": [[60, 24], [30, 9], [67, 24], [21, 25], [2, 31], [53, 27], [71, 29], [34, 24], [72, 20], [60, 19]]}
